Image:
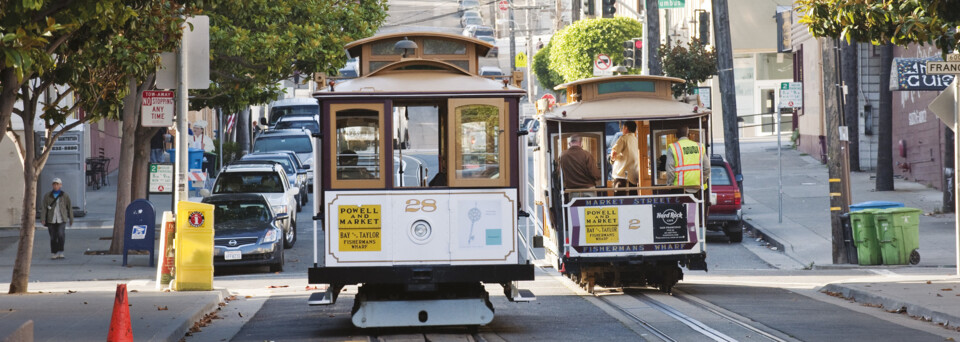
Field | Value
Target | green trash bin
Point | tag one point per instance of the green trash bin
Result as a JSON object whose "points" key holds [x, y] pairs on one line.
{"points": [[865, 237], [898, 230]]}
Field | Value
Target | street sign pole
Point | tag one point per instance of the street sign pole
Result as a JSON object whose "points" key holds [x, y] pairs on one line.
{"points": [[956, 165], [779, 167], [183, 154]]}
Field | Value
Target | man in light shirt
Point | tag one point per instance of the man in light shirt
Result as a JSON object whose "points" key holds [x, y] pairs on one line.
{"points": [[625, 159]]}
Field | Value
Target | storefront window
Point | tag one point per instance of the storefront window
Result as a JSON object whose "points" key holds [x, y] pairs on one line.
{"points": [[774, 66]]}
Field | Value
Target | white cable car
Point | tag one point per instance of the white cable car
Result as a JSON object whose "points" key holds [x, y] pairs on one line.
{"points": [[417, 184], [632, 236]]}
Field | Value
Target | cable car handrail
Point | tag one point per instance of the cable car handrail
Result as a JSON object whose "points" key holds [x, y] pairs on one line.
{"points": [[658, 187]]}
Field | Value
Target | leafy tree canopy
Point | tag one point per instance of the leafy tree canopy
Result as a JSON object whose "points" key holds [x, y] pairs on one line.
{"points": [[692, 63], [255, 44], [573, 49], [900, 22], [541, 67]]}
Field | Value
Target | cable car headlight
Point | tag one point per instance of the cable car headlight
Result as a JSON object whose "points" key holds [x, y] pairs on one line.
{"points": [[421, 231]]}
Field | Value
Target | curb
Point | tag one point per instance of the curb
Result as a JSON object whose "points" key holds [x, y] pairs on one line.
{"points": [[758, 232], [893, 304], [176, 331]]}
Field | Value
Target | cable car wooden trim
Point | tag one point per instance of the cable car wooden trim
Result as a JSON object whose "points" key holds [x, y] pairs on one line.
{"points": [[375, 183], [664, 187]]}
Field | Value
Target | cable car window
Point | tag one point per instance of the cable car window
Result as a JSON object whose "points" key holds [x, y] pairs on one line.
{"points": [[443, 47], [358, 145], [478, 157], [384, 48], [374, 66], [462, 64], [626, 86]]}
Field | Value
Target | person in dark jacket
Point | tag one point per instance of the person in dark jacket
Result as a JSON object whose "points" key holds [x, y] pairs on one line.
{"points": [[56, 212]]}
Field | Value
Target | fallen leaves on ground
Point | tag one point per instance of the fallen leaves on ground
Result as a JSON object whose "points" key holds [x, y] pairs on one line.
{"points": [[162, 308], [277, 286]]}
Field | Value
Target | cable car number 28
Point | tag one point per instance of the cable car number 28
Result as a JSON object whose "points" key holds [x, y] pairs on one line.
{"points": [[427, 205]]}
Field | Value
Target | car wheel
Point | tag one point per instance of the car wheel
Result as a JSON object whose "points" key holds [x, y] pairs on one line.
{"points": [[278, 267], [290, 237], [299, 207], [735, 232]]}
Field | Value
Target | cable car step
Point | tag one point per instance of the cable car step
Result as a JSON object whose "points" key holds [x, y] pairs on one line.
{"points": [[322, 298], [414, 313]]}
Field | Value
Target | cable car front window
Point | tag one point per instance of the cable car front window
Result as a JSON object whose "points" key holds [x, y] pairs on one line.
{"points": [[478, 137], [358, 145]]}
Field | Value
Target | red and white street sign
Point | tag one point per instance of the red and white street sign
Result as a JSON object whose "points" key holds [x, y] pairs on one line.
{"points": [[602, 65], [157, 108], [503, 5], [551, 100]]}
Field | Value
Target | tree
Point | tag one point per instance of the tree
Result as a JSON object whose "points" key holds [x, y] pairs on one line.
{"points": [[902, 22], [256, 44], [92, 65], [692, 63], [573, 49], [547, 78]]}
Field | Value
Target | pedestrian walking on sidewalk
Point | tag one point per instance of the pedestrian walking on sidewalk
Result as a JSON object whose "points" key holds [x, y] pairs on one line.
{"points": [[56, 212]]}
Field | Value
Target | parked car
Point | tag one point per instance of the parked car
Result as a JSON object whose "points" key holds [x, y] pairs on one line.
{"points": [[471, 17], [351, 69], [289, 139], [309, 123], [491, 71], [290, 107], [494, 51], [476, 31], [532, 127], [247, 231], [725, 200], [296, 175], [271, 182], [469, 5]]}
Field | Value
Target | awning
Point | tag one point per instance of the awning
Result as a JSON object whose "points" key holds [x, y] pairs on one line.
{"points": [[911, 74]]}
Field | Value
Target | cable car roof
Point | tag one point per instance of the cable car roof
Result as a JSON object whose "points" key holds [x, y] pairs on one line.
{"points": [[440, 79], [353, 48], [625, 108], [618, 78]]}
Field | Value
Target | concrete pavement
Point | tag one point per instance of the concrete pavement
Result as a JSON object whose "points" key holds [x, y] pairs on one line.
{"points": [[804, 236]]}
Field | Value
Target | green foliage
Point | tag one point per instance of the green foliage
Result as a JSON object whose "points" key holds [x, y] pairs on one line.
{"points": [[541, 67], [257, 43], [692, 63], [573, 49], [900, 22], [231, 151]]}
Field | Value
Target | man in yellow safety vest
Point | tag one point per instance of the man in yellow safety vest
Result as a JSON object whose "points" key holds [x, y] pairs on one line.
{"points": [[685, 161]]}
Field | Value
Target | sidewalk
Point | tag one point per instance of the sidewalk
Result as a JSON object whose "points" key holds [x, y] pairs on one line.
{"points": [[72, 299], [804, 236]]}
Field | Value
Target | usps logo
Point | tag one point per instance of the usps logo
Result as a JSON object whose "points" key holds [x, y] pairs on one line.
{"points": [[196, 219], [139, 232]]}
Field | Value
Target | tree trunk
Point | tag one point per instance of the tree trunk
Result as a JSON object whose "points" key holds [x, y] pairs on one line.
{"points": [[28, 218], [243, 130], [652, 32], [141, 161], [851, 105], [885, 123], [125, 170]]}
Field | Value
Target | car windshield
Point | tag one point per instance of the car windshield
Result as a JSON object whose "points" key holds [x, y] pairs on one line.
{"points": [[485, 32], [239, 211], [283, 160], [298, 124], [719, 176], [248, 182], [298, 144], [473, 21], [471, 14], [278, 112]]}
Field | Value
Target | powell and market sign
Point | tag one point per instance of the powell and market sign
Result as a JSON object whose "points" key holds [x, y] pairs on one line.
{"points": [[911, 74]]}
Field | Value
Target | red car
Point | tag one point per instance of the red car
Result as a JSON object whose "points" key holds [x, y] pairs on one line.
{"points": [[724, 213]]}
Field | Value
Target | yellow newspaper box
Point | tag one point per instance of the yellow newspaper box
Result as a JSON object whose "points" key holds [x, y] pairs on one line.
{"points": [[194, 247]]}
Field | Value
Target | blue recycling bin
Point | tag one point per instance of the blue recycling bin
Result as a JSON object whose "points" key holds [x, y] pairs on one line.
{"points": [[875, 205], [195, 159]]}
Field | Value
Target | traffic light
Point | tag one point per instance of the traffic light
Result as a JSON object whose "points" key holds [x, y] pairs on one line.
{"points": [[609, 8], [588, 6], [628, 54], [637, 52]]}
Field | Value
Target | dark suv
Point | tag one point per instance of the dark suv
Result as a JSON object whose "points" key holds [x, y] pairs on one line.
{"points": [[724, 213]]}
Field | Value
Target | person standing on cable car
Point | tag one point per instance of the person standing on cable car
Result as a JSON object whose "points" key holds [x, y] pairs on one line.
{"points": [[624, 156], [685, 160], [579, 167]]}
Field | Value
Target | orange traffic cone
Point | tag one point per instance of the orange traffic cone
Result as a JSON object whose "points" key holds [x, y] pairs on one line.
{"points": [[120, 329]]}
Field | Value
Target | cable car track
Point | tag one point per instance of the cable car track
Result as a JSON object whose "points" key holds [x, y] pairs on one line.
{"points": [[692, 323]]}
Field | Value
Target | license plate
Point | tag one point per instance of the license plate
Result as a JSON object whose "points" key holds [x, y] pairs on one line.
{"points": [[231, 255], [713, 198]]}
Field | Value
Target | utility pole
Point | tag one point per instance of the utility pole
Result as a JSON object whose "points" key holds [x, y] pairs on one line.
{"points": [[652, 33], [531, 97], [885, 124], [851, 103], [558, 23], [182, 164], [513, 38], [728, 99], [835, 160]]}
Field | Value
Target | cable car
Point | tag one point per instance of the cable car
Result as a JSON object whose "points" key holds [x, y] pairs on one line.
{"points": [[417, 184], [638, 234]]}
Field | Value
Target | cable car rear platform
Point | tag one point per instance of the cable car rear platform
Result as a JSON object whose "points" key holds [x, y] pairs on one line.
{"points": [[420, 274]]}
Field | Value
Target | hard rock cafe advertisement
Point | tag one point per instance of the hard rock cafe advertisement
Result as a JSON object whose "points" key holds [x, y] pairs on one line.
{"points": [[611, 225]]}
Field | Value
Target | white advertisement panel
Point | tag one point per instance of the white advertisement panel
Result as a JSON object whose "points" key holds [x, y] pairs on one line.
{"points": [[460, 227]]}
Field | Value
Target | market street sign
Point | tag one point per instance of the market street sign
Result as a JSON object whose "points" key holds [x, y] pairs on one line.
{"points": [[157, 108]]}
